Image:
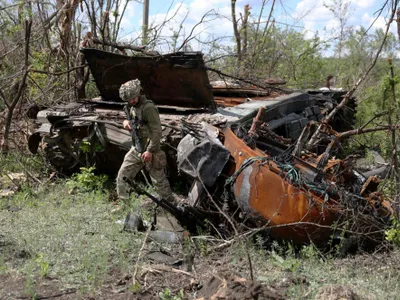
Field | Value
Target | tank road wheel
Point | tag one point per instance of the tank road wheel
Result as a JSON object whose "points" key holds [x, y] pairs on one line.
{"points": [[64, 159]]}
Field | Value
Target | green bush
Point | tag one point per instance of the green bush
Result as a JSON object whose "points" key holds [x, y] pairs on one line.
{"points": [[167, 295], [393, 233], [86, 180]]}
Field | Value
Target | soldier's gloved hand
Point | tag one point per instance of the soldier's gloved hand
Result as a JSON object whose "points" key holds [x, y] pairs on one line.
{"points": [[127, 125], [147, 156]]}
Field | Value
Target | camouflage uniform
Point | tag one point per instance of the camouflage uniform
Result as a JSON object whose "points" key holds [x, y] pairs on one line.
{"points": [[150, 133]]}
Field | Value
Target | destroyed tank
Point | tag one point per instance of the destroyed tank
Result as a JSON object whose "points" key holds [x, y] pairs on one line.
{"points": [[206, 138], [89, 132]]}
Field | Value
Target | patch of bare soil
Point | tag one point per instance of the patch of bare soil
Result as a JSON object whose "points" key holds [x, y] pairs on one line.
{"points": [[16, 287], [211, 278], [237, 288]]}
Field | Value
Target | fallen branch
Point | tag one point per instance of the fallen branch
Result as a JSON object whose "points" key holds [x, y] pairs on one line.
{"points": [[29, 173], [254, 231], [231, 241], [123, 46], [139, 256], [168, 269], [61, 294]]}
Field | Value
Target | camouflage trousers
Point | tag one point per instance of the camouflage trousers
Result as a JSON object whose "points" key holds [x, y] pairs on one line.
{"points": [[133, 163]]}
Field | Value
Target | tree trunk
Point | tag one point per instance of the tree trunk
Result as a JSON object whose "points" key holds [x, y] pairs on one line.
{"points": [[237, 33], [19, 87]]}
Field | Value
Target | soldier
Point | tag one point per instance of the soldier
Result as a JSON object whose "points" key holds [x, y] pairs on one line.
{"points": [[147, 119]]}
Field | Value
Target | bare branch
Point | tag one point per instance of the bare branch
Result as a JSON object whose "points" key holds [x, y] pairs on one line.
{"points": [[121, 46], [159, 28], [373, 118], [180, 27], [116, 30], [368, 130], [58, 73], [193, 28], [219, 57], [7, 7], [350, 93], [236, 31]]}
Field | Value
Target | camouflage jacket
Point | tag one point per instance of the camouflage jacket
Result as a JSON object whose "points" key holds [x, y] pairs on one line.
{"points": [[149, 124]]}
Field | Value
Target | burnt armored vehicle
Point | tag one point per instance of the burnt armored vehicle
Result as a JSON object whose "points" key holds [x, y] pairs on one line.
{"points": [[248, 138], [89, 131]]}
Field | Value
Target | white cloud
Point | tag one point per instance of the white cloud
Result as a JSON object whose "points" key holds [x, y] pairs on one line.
{"points": [[312, 15], [312, 10], [365, 4], [316, 16], [379, 23], [132, 12], [214, 24]]}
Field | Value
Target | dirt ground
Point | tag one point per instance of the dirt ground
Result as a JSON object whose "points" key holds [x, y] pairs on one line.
{"points": [[211, 280]]}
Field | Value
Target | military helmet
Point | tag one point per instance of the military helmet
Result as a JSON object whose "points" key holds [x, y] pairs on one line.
{"points": [[130, 90]]}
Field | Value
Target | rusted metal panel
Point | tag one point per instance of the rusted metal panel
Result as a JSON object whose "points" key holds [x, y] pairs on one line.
{"points": [[272, 194], [177, 79], [261, 191]]}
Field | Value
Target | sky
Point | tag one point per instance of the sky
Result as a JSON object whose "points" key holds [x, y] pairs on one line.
{"points": [[309, 16]]}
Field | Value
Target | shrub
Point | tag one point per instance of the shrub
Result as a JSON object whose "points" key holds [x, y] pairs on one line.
{"points": [[86, 180]]}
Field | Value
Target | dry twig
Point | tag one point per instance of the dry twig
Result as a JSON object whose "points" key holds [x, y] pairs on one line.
{"points": [[140, 256], [168, 269]]}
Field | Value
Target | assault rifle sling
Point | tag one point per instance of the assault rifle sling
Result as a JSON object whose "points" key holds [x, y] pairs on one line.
{"points": [[134, 132]]}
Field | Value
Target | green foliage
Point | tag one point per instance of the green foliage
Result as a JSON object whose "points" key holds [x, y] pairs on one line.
{"points": [[309, 252], [388, 187], [283, 256], [91, 90], [15, 162], [375, 99], [369, 157], [3, 267], [86, 180], [284, 53], [30, 287], [38, 62], [167, 295], [25, 197], [287, 264], [86, 146], [72, 237], [393, 233], [43, 264]]}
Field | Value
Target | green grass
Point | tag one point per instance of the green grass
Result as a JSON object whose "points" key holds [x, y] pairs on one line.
{"points": [[49, 232], [370, 277], [73, 238]]}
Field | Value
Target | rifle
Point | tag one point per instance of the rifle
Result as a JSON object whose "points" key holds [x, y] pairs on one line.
{"points": [[134, 132], [187, 216]]}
